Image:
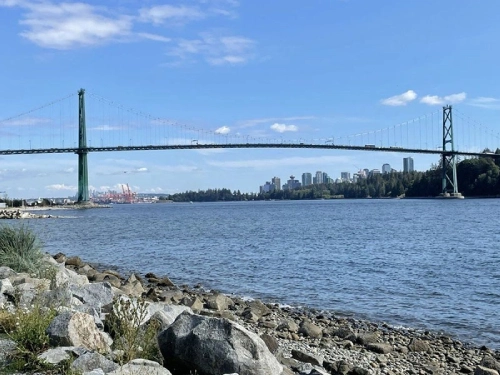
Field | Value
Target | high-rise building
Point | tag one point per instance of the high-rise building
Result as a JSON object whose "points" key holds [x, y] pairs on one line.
{"points": [[319, 177], [386, 168], [345, 176], [325, 177], [292, 183], [408, 164], [306, 179], [277, 183]]}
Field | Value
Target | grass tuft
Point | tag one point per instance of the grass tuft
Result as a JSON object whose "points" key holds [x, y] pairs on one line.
{"points": [[20, 249]]}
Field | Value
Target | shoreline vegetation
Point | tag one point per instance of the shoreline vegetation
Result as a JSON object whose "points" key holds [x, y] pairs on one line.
{"points": [[477, 178], [60, 315]]}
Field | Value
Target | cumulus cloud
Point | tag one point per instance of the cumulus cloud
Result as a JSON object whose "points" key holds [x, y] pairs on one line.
{"points": [[60, 187], [281, 128], [485, 102], [449, 99], [69, 25], [161, 13], [400, 100], [223, 130], [215, 49]]}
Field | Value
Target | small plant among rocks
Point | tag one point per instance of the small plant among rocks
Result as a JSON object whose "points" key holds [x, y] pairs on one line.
{"points": [[27, 329], [20, 250], [131, 338]]}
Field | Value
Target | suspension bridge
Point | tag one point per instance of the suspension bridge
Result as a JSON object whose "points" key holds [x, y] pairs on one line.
{"points": [[52, 128]]}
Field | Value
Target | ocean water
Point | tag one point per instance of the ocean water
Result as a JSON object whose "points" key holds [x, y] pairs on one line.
{"points": [[428, 264]]}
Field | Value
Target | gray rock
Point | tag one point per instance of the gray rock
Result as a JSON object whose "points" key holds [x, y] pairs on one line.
{"points": [[65, 277], [367, 338], [309, 329], [74, 261], [133, 287], [307, 358], [6, 286], [215, 346], [480, 370], [141, 367], [258, 308], [380, 347], [271, 343], [93, 361], [6, 347], [98, 295], [94, 372], [219, 302], [288, 325], [57, 355], [417, 345], [6, 272], [77, 329], [490, 362], [167, 314]]}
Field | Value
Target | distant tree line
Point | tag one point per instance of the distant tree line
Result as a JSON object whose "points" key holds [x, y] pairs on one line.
{"points": [[477, 177]]}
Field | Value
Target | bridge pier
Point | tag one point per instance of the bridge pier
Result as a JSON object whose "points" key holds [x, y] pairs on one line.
{"points": [[449, 187], [83, 174]]}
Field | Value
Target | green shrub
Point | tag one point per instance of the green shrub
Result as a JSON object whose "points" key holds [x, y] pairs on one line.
{"points": [[134, 339], [20, 249], [27, 328]]}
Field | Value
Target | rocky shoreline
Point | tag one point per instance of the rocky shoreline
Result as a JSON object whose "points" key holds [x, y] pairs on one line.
{"points": [[280, 340], [19, 214]]}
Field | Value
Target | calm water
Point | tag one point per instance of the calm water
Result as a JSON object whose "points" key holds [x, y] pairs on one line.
{"points": [[418, 263]]}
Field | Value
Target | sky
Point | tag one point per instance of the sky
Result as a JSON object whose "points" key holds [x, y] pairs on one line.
{"points": [[290, 71]]}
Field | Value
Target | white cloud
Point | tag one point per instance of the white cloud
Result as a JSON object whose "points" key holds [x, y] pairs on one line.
{"points": [[70, 25], [106, 128], [254, 122], [59, 187], [222, 130], [216, 50], [485, 102], [449, 99], [157, 15], [26, 121], [400, 100], [281, 128], [273, 163], [154, 37]]}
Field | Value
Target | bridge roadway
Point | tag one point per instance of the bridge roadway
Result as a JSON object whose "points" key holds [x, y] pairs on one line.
{"points": [[76, 150]]}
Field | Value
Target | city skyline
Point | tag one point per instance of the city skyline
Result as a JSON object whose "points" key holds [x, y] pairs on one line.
{"points": [[238, 67]]}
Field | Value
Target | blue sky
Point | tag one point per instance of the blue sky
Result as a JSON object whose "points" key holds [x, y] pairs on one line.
{"points": [[286, 70]]}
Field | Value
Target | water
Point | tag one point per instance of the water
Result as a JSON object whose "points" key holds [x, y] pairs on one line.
{"points": [[429, 264]]}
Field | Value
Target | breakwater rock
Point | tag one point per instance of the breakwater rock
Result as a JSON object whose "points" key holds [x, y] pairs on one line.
{"points": [[18, 214], [210, 333]]}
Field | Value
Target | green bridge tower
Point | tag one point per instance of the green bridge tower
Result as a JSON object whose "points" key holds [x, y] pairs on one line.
{"points": [[449, 187], [83, 174]]}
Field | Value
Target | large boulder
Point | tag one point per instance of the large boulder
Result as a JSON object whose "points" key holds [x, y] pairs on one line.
{"points": [[97, 295], [77, 329], [167, 314], [213, 346], [65, 276]]}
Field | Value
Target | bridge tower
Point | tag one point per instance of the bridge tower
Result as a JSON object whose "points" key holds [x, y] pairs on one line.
{"points": [[449, 162], [83, 175]]}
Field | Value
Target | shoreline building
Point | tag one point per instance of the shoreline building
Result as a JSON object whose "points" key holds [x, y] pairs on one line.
{"points": [[306, 179], [319, 178], [292, 184], [386, 168], [277, 183], [408, 164]]}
